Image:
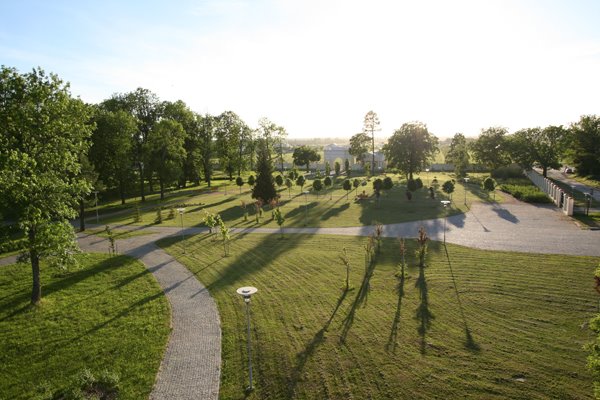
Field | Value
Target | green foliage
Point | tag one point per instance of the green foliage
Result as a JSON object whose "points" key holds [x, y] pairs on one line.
{"points": [[448, 187], [166, 153], [288, 184], [327, 181], [327, 168], [585, 145], [347, 186], [44, 132], [211, 220], [293, 174], [251, 180], [410, 148], [317, 185], [378, 184], [264, 188], [388, 183], [523, 189], [508, 172], [229, 131], [491, 148], [304, 155], [239, 181], [337, 168], [421, 251], [347, 167], [301, 181], [279, 218], [359, 146], [418, 183], [87, 385], [458, 155], [355, 183], [489, 184], [538, 147], [370, 126], [279, 180]]}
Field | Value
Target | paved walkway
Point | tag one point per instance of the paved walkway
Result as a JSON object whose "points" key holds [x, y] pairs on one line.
{"points": [[560, 176], [191, 366]]}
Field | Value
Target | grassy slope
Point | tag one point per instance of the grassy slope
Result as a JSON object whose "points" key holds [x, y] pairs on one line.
{"points": [[111, 314], [322, 211], [467, 326]]}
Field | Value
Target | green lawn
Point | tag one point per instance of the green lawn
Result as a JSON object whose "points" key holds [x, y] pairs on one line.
{"points": [[330, 208], [472, 324], [110, 314]]}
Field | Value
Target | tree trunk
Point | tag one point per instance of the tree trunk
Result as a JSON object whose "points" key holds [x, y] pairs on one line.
{"points": [[81, 215], [36, 292], [544, 171], [142, 182], [162, 188], [122, 191]]}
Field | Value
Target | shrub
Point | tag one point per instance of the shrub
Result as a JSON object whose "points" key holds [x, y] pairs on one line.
{"points": [[251, 180], [510, 171], [419, 183], [411, 185], [377, 184], [388, 183]]}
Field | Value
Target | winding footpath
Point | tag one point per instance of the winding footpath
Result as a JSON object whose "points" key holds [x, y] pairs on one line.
{"points": [[191, 366]]}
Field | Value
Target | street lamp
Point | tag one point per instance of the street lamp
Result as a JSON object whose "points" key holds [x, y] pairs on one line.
{"points": [[181, 211], [427, 173], [466, 181], [445, 203], [246, 292], [305, 207], [96, 201]]}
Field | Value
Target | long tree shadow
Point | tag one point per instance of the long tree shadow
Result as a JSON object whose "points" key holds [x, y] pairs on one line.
{"points": [[392, 342], [505, 214], [335, 211], [361, 298], [423, 314], [470, 343], [310, 348]]}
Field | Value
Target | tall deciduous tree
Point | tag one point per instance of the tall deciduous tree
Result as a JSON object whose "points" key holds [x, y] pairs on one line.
{"points": [[410, 147], [538, 147], [491, 148], [166, 152], [147, 109], [264, 188], [205, 132], [228, 132], [359, 146], [585, 145], [180, 112], [370, 126], [112, 151], [43, 132], [304, 155], [459, 155]]}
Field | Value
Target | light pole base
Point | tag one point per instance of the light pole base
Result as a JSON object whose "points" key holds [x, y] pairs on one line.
{"points": [[249, 389]]}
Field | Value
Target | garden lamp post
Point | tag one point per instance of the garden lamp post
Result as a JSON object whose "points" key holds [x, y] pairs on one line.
{"points": [[427, 174], [466, 181], [246, 292], [96, 202], [181, 211], [305, 207], [445, 203]]}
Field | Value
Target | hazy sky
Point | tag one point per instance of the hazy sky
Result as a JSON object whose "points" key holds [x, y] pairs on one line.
{"points": [[317, 67]]}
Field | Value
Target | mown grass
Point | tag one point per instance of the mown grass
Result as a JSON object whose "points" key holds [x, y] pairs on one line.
{"points": [[472, 324], [329, 208], [110, 314], [120, 233]]}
